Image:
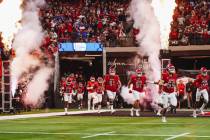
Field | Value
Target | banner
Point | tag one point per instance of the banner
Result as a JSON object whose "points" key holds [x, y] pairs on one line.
{"points": [[80, 47]]}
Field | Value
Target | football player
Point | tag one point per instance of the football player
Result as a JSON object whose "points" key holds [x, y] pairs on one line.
{"points": [[68, 94], [80, 93], [100, 91], [169, 89], [112, 86], [201, 83], [91, 88], [138, 89]]}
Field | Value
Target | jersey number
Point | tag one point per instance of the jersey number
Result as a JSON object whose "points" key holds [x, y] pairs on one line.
{"points": [[138, 84], [171, 84], [204, 83], [111, 82]]}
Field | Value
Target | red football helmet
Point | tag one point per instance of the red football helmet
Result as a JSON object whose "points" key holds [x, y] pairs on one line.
{"points": [[70, 79], [112, 70], [92, 79], [203, 71], [170, 68], [100, 80], [139, 72]]}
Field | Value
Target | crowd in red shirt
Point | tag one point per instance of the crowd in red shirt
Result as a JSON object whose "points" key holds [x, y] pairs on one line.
{"points": [[191, 23], [86, 20], [105, 21]]}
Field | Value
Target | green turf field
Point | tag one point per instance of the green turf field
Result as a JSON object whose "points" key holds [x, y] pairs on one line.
{"points": [[104, 128]]}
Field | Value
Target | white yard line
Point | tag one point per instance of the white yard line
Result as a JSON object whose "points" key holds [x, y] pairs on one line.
{"points": [[13, 117], [113, 123], [107, 134], [99, 134], [44, 133], [176, 136]]}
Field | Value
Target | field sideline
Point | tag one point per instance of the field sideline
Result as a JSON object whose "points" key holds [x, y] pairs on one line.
{"points": [[105, 128]]}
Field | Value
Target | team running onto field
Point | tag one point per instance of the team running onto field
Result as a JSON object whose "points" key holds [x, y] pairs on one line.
{"points": [[137, 84]]}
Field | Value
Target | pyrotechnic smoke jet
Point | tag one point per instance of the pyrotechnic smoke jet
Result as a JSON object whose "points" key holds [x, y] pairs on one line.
{"points": [[128, 98], [148, 39], [37, 86], [152, 18], [164, 10], [10, 15], [28, 39]]}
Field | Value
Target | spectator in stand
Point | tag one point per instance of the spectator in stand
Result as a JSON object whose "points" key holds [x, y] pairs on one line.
{"points": [[173, 37]]}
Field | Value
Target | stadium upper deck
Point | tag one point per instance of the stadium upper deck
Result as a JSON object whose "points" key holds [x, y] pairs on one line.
{"points": [[105, 21]]}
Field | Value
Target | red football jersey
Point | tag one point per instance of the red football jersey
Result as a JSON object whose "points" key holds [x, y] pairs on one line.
{"points": [[111, 82], [138, 82], [80, 88], [169, 82], [69, 87], [201, 82], [100, 88], [92, 85]]}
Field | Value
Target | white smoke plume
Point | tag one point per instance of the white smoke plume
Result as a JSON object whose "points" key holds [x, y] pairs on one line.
{"points": [[38, 86], [128, 97], [148, 39], [28, 39]]}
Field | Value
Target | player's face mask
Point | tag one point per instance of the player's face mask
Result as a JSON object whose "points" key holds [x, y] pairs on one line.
{"points": [[112, 72], [100, 80], [204, 73], [92, 79], [172, 70], [139, 74]]}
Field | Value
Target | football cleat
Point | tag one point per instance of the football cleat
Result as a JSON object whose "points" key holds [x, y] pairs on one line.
{"points": [[131, 114], [194, 114], [164, 119], [113, 111], [158, 113], [202, 113], [137, 113]]}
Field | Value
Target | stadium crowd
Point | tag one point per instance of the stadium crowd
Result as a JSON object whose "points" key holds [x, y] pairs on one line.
{"points": [[87, 21], [105, 21], [191, 23]]}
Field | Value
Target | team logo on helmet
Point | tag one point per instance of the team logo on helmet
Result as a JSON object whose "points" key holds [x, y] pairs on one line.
{"points": [[170, 68], [203, 71]]}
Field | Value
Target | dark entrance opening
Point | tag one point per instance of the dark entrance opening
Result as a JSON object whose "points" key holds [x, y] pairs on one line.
{"points": [[86, 66]]}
